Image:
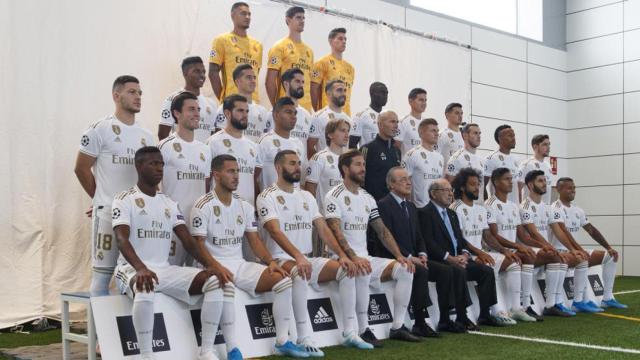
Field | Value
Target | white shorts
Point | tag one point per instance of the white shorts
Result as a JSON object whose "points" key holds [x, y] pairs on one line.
{"points": [[174, 281], [104, 249], [378, 265], [246, 274], [317, 264], [497, 258]]}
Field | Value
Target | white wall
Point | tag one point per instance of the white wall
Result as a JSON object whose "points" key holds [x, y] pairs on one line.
{"points": [[603, 88]]}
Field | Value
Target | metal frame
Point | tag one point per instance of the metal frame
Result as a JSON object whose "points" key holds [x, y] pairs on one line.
{"points": [[67, 336]]}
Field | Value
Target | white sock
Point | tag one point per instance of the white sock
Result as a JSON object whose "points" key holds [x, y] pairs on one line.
{"points": [[560, 288], [362, 302], [143, 320], [228, 319], [211, 312], [299, 301], [608, 276], [100, 280], [526, 282], [282, 309], [552, 277], [347, 289], [514, 285], [401, 294], [580, 281]]}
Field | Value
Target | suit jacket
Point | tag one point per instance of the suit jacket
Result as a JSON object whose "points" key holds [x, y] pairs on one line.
{"points": [[435, 234], [409, 238]]}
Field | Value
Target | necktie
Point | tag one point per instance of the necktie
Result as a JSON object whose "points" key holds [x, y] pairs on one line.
{"points": [[447, 223]]}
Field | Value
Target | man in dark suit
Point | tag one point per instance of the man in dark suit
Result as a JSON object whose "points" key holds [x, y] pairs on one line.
{"points": [[401, 218], [445, 244]]}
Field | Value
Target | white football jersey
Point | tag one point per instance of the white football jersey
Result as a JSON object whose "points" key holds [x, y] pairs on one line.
{"points": [[473, 221], [424, 167], [187, 165], [323, 171], [268, 146], [223, 227], [464, 159], [573, 218], [151, 220], [355, 211], [295, 213], [408, 133], [449, 142], [365, 125], [319, 123], [114, 145], [533, 164], [246, 153], [497, 160], [260, 121], [207, 115], [303, 125], [537, 214], [506, 216]]}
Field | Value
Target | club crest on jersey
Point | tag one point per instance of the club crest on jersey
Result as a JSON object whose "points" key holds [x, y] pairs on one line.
{"points": [[480, 217], [143, 141], [234, 39], [280, 199], [116, 129], [330, 159], [305, 206], [276, 143], [239, 220], [140, 202], [537, 166], [424, 156], [202, 157], [366, 209], [533, 208], [290, 46], [216, 210], [177, 147], [499, 207], [466, 157], [465, 212], [373, 116], [513, 213], [501, 157], [331, 116], [226, 143], [167, 213], [347, 201], [252, 153], [440, 163], [208, 110], [412, 122], [450, 135]]}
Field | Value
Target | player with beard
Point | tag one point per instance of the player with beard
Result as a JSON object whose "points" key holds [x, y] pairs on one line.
{"points": [[574, 218], [365, 123], [486, 248], [187, 164], [502, 158], [222, 220], [232, 49], [541, 148], [288, 216], [284, 116], [142, 221], [194, 77], [450, 139], [293, 83], [336, 94], [539, 223], [467, 157], [408, 129], [232, 140], [259, 121]]}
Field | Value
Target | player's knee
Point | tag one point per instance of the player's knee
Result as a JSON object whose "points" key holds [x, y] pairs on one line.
{"points": [[211, 284], [399, 272], [229, 292], [283, 285], [143, 296], [341, 274]]}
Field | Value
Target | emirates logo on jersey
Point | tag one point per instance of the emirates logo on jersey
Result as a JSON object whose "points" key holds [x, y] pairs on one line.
{"points": [[177, 147], [140, 202], [116, 129]]}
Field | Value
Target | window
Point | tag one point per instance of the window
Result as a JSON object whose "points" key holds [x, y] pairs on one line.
{"points": [[521, 17]]}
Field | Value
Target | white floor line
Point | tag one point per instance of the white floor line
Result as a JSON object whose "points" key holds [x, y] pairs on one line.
{"points": [[626, 292], [556, 342]]}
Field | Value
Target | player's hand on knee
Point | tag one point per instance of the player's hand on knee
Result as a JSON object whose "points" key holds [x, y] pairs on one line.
{"points": [[145, 279], [511, 256], [274, 268], [364, 266], [304, 267], [486, 259], [348, 266], [614, 254], [407, 263], [222, 273]]}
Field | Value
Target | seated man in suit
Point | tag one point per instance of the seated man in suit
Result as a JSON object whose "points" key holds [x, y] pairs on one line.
{"points": [[445, 244], [401, 218]]}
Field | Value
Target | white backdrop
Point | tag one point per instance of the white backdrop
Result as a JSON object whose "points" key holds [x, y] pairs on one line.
{"points": [[58, 61]]}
